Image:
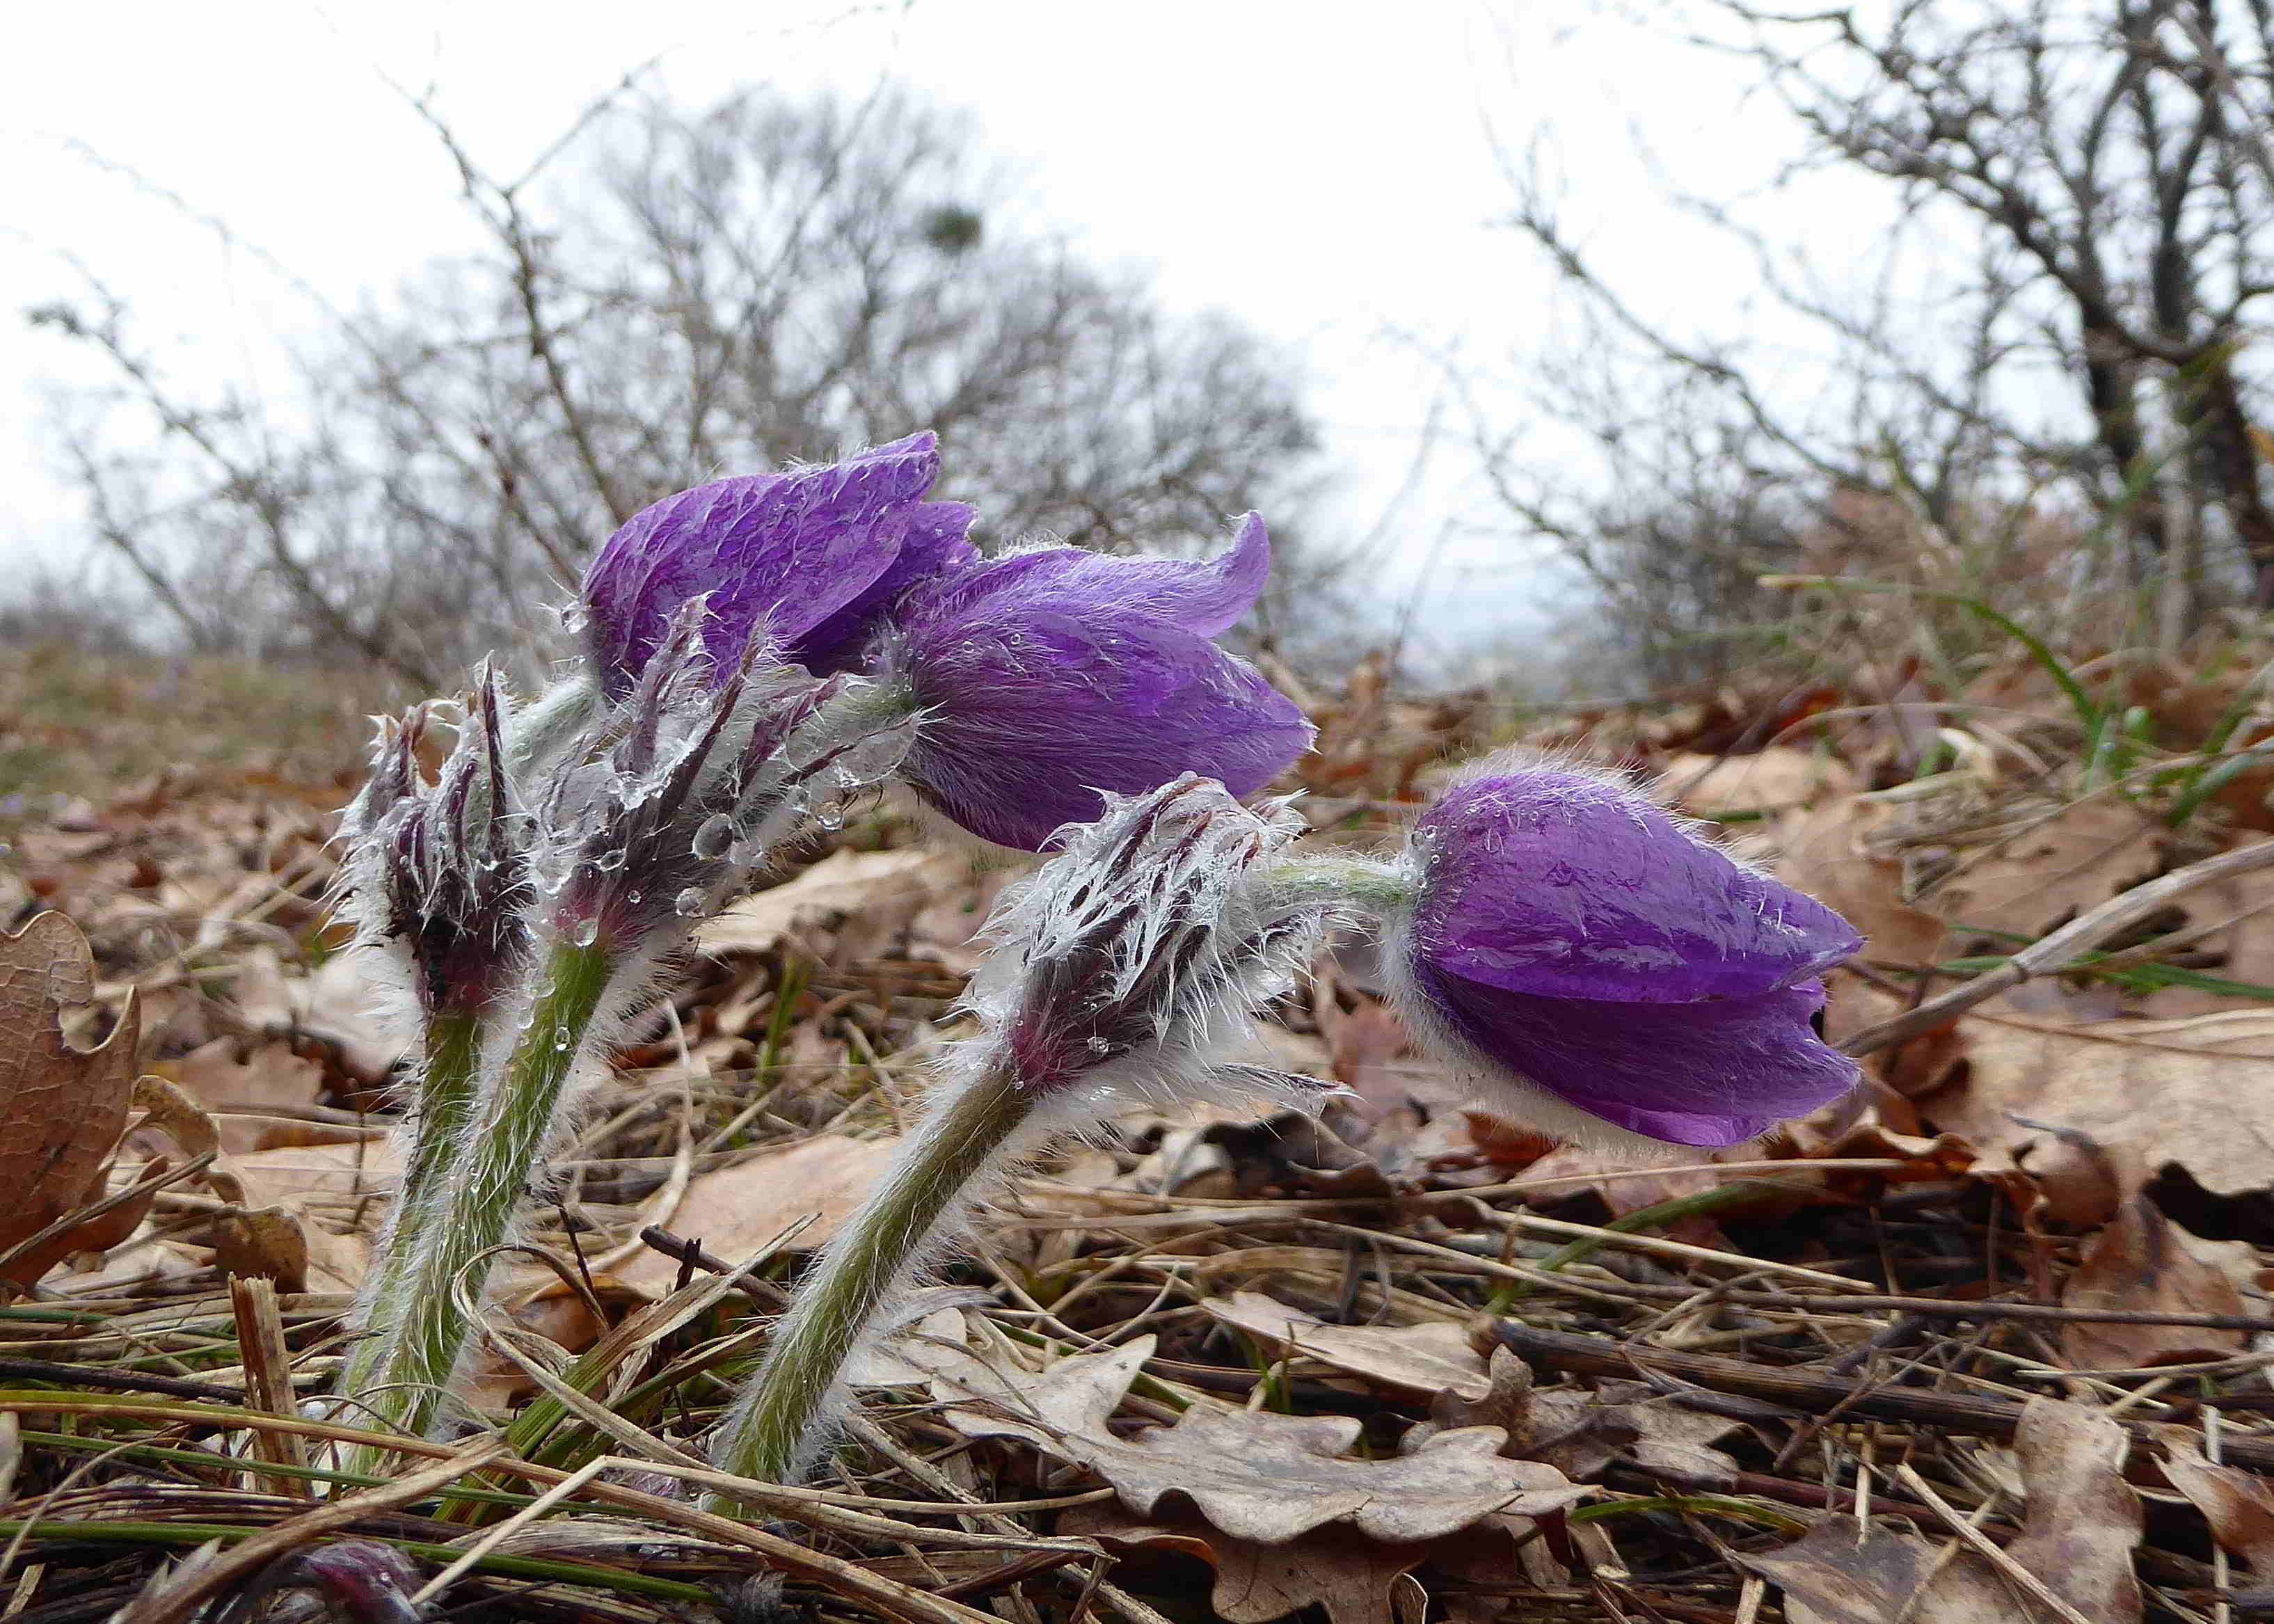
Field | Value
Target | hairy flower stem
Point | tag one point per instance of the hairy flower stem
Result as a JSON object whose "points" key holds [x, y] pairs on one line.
{"points": [[470, 1208], [783, 1418], [446, 1096]]}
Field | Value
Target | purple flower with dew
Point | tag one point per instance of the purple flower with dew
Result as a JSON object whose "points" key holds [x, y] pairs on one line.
{"points": [[813, 558], [1050, 677], [1605, 973]]}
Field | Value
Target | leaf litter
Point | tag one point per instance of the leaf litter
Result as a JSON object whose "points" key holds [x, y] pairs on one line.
{"points": [[1245, 1365]]}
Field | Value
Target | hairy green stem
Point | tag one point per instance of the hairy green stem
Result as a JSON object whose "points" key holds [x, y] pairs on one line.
{"points": [[478, 1189], [782, 1416], [446, 1095]]}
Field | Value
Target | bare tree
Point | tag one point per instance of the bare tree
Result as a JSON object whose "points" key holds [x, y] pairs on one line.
{"points": [[2089, 183], [703, 293]]}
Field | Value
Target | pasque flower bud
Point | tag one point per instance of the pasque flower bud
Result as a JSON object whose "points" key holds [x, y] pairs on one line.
{"points": [[433, 871], [1598, 971], [1121, 973]]}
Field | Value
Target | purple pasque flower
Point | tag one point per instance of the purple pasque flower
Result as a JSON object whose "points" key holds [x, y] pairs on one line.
{"points": [[1604, 971], [815, 557], [1053, 677]]}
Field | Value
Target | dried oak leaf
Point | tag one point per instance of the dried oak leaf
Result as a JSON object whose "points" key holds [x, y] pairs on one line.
{"points": [[1842, 1572], [1260, 1476], [1431, 1357], [2238, 1504], [2090, 1112], [240, 1085], [2080, 1528], [733, 1211], [1355, 1580], [844, 881], [61, 1107], [2048, 870], [2084, 1521], [1829, 850], [2143, 1262]]}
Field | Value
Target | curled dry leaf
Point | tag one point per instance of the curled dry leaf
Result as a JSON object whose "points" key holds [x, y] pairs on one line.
{"points": [[1261, 1477], [2238, 1504], [2091, 1112], [242, 1085], [2084, 1521], [1355, 1580], [1843, 1572], [61, 1107], [1431, 1358], [270, 1241], [2142, 1261]]}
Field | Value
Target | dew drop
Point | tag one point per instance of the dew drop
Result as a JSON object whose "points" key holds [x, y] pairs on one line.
{"points": [[690, 903], [715, 834], [587, 932]]}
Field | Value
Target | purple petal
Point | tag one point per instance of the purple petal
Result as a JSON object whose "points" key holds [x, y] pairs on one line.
{"points": [[1033, 712], [1704, 1074], [784, 551], [1563, 886], [933, 547], [1202, 597]]}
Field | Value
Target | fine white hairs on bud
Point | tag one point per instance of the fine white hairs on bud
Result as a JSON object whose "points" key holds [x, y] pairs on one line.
{"points": [[696, 776], [433, 872], [1122, 973], [1134, 960]]}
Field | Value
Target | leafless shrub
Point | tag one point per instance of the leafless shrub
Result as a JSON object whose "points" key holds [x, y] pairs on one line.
{"points": [[703, 293]]}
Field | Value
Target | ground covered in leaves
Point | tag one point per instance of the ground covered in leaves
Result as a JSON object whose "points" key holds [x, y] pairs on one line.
{"points": [[1987, 1342]]}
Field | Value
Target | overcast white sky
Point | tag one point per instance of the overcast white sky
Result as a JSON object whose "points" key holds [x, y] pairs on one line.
{"points": [[1321, 168]]}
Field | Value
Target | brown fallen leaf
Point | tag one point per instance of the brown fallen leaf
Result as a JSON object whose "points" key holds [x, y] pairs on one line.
{"points": [[1832, 852], [2141, 1260], [733, 1211], [1258, 1476], [2084, 1521], [1842, 1572], [1355, 1580], [270, 1238], [2238, 1504], [844, 881], [237, 1083], [1431, 1357], [2047, 870], [61, 1107], [1582, 1434], [2090, 1112], [1776, 779]]}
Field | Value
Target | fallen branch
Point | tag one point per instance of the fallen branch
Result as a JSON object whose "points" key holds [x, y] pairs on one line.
{"points": [[1804, 1391]]}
